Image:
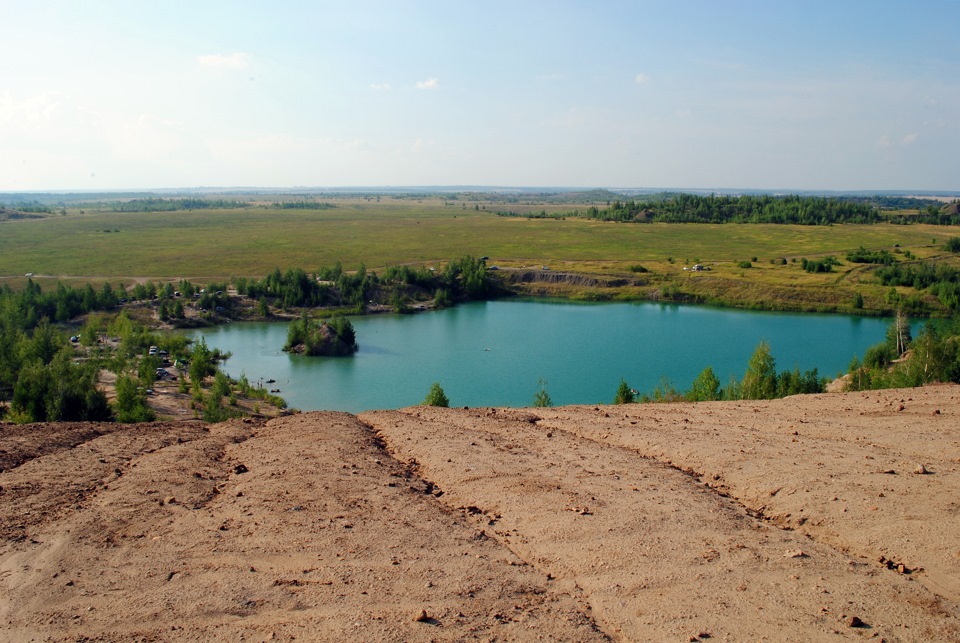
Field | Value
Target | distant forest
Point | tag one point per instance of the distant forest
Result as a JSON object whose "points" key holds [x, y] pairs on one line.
{"points": [[792, 209], [154, 204]]}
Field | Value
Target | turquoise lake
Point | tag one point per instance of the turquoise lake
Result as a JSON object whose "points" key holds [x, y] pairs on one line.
{"points": [[494, 353]]}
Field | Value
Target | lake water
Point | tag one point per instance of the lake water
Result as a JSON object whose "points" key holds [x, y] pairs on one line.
{"points": [[494, 353]]}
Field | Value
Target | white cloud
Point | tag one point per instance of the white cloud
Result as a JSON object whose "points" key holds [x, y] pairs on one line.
{"points": [[430, 83], [641, 79], [32, 111], [886, 142], [380, 87], [236, 60]]}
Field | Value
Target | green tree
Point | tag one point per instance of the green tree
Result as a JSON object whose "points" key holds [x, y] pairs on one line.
{"points": [[541, 398], [201, 363], [705, 388], [213, 409], [30, 392], [436, 396], [147, 370], [45, 343], [624, 393], [760, 380], [442, 298], [131, 404], [221, 385], [59, 391]]}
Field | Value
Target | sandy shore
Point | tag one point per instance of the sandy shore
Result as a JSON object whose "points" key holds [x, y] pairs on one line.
{"points": [[825, 517]]}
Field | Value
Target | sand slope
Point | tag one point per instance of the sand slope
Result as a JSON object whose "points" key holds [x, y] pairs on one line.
{"points": [[798, 519]]}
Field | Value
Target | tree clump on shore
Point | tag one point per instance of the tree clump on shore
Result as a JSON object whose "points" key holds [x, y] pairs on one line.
{"points": [[331, 338], [902, 361], [761, 381]]}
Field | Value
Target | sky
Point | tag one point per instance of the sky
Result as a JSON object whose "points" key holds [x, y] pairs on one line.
{"points": [[764, 94]]}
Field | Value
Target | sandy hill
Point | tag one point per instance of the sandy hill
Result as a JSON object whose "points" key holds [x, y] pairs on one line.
{"points": [[826, 517]]}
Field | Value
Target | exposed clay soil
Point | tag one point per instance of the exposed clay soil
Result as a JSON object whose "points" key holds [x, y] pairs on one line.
{"points": [[826, 517]]}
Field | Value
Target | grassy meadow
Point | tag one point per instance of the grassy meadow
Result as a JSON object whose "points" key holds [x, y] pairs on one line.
{"points": [[98, 244]]}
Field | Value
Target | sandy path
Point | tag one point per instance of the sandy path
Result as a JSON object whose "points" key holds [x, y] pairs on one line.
{"points": [[319, 535], [840, 469], [661, 556]]}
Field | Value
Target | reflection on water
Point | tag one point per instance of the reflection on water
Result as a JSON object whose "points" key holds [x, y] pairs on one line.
{"points": [[494, 353]]}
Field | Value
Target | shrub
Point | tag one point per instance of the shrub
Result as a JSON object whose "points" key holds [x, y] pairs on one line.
{"points": [[541, 398], [130, 404], [436, 396], [862, 255], [624, 393]]}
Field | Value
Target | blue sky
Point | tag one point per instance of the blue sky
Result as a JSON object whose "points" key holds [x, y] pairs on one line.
{"points": [[701, 94]]}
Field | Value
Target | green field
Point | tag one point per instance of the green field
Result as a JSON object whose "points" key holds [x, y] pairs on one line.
{"points": [[214, 245], [223, 243]]}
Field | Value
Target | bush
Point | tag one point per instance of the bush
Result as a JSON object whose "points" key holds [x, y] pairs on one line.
{"points": [[436, 396], [130, 404], [862, 255], [665, 391], [541, 398], [624, 393]]}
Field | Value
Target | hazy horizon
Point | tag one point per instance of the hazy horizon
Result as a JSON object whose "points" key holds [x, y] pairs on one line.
{"points": [[105, 95], [453, 189]]}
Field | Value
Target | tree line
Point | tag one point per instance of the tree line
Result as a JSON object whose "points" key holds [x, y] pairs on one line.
{"points": [[671, 207], [158, 204], [332, 286], [761, 381], [692, 208]]}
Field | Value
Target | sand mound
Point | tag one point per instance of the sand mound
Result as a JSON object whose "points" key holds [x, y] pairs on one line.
{"points": [[811, 518]]}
